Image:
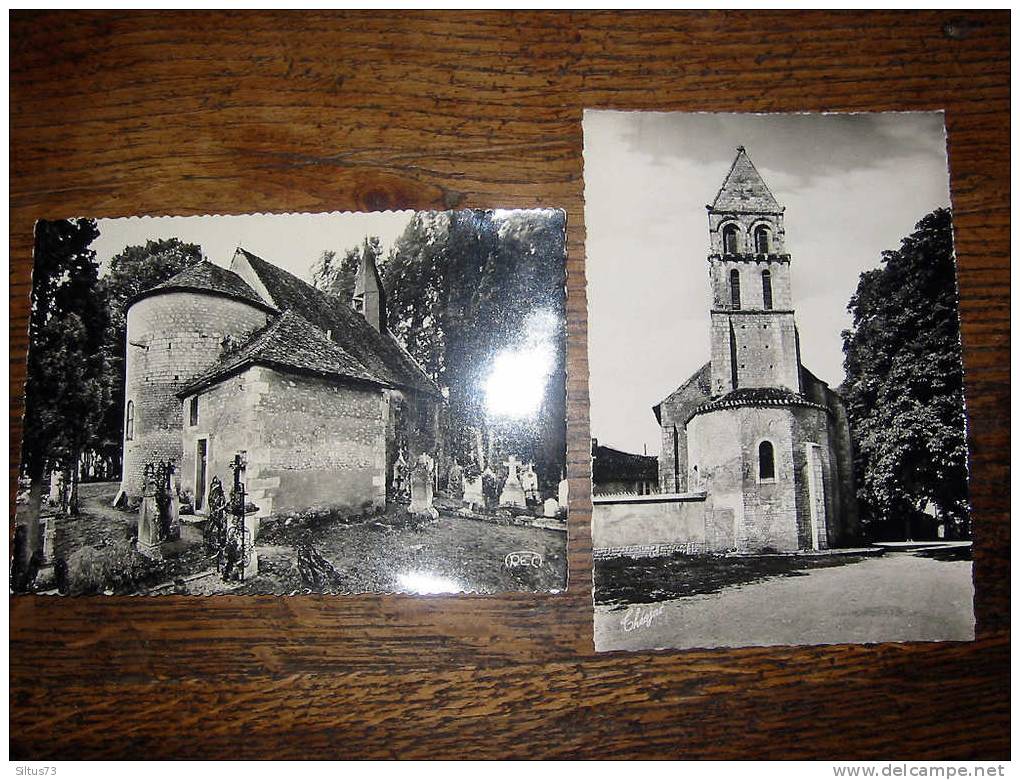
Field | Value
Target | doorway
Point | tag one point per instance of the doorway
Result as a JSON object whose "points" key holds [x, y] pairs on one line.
{"points": [[201, 465]]}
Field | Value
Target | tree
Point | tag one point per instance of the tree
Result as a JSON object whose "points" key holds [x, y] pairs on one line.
{"points": [[67, 388], [336, 274], [461, 289], [904, 384], [133, 270]]}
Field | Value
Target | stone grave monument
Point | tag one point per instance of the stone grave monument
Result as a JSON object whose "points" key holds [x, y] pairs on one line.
{"points": [[512, 494], [529, 483], [422, 477]]}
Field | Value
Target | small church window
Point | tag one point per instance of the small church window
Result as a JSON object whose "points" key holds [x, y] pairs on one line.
{"points": [[735, 288], [766, 288], [761, 240], [766, 461], [129, 421], [193, 411], [729, 235]]}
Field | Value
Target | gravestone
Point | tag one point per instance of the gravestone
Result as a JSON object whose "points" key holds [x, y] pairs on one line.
{"points": [[512, 494], [401, 479], [529, 483], [563, 490], [49, 538], [422, 477], [550, 508], [239, 557], [473, 496], [148, 517], [56, 487], [239, 560], [455, 481]]}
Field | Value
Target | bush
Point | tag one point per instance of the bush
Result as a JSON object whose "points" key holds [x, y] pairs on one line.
{"points": [[116, 568]]}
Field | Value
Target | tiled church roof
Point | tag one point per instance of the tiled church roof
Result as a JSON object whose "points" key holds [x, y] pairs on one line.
{"points": [[288, 342], [744, 190], [206, 277], [381, 354], [322, 335], [757, 396]]}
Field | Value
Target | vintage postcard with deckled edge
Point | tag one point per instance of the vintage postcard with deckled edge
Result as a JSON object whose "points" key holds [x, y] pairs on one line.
{"points": [[296, 403], [779, 446]]}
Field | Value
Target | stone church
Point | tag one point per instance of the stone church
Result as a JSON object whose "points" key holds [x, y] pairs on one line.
{"points": [[765, 440], [317, 391]]}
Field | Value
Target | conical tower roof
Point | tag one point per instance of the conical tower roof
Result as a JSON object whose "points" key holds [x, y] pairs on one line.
{"points": [[744, 191]]}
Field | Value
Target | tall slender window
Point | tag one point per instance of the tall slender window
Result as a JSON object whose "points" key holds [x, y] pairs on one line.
{"points": [[766, 288], [729, 236], [761, 240], [735, 288], [193, 411], [766, 461], [129, 421]]}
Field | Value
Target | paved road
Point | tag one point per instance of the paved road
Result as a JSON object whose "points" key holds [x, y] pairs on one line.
{"points": [[897, 597]]}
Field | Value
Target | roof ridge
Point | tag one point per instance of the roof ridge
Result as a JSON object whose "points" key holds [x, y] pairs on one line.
{"points": [[380, 351]]}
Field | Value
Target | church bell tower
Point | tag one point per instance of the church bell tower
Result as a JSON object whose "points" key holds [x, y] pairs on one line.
{"points": [[754, 337]]}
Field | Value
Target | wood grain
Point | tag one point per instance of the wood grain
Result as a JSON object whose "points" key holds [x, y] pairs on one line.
{"points": [[188, 113]]}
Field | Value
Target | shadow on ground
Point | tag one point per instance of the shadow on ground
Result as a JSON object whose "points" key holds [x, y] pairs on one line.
{"points": [[623, 581]]}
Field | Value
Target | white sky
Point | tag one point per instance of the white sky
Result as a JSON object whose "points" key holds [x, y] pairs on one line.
{"points": [[291, 241], [853, 185]]}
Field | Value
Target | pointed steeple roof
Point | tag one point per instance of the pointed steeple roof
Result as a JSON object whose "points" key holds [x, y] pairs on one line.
{"points": [[744, 191]]}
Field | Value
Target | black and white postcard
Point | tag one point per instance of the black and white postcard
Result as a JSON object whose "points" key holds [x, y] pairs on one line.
{"points": [[276, 404], [779, 443]]}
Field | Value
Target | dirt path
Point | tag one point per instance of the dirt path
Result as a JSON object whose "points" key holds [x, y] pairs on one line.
{"points": [[898, 597]]}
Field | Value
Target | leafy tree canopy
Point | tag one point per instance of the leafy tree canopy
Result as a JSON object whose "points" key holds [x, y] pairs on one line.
{"points": [[904, 382], [461, 289], [67, 378]]}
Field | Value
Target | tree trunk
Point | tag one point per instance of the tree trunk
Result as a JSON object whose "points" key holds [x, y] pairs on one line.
{"points": [[72, 500], [30, 520]]}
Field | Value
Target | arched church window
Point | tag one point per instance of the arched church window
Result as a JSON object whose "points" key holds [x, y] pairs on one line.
{"points": [[129, 421], [761, 240], [766, 461], [735, 288], [729, 237], [766, 288]]}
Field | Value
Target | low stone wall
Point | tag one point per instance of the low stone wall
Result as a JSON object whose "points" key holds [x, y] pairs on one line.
{"points": [[668, 521], [647, 550]]}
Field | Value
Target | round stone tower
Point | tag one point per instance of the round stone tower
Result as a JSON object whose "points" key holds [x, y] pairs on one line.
{"points": [[175, 331]]}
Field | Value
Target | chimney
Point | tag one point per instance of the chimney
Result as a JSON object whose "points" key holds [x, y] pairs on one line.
{"points": [[369, 297]]}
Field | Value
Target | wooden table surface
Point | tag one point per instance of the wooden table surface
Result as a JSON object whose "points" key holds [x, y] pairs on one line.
{"points": [[115, 114]]}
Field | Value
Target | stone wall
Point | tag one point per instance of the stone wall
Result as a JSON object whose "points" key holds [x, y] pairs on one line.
{"points": [[673, 413], [412, 422], [320, 445], [641, 521], [752, 295], [761, 346], [172, 337], [811, 426], [311, 444], [226, 421], [724, 446]]}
